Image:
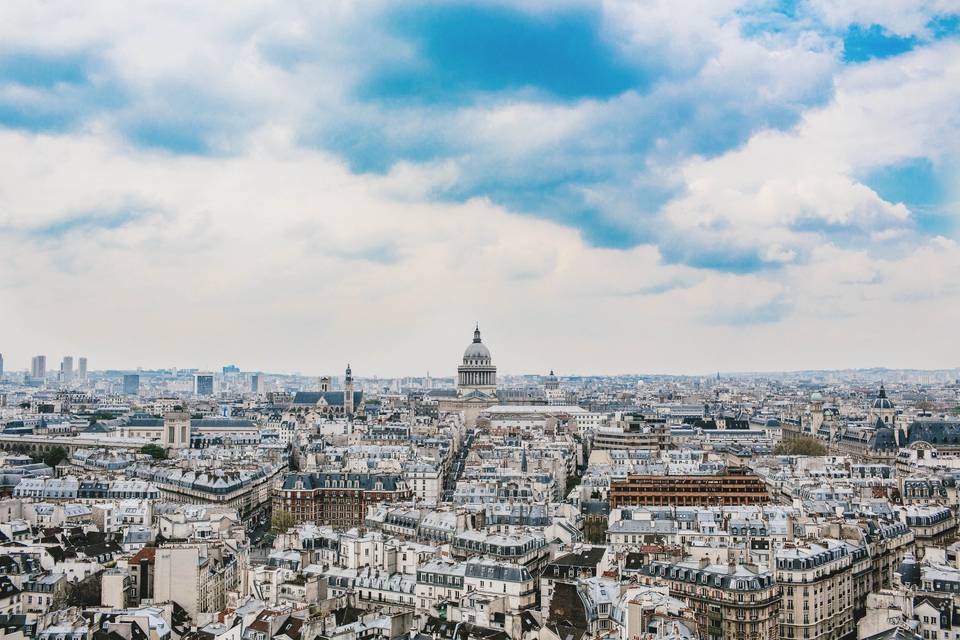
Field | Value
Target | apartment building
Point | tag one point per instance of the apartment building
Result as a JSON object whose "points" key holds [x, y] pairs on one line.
{"points": [[729, 602], [635, 432], [195, 576], [816, 582]]}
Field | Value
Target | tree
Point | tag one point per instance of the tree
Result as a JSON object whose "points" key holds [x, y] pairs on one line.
{"points": [[52, 456], [281, 521], [801, 447], [155, 451], [84, 593], [572, 481]]}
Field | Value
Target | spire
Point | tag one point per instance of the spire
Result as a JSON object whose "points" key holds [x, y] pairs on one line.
{"points": [[883, 392], [476, 333], [349, 377]]}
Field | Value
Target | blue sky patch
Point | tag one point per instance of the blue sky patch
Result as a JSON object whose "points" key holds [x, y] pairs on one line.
{"points": [[874, 42], [53, 93], [599, 231], [914, 182], [175, 137], [463, 50], [924, 188], [85, 222], [34, 117], [42, 70], [715, 257], [945, 26]]}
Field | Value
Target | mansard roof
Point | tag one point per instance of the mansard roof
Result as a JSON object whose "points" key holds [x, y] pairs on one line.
{"points": [[331, 398]]}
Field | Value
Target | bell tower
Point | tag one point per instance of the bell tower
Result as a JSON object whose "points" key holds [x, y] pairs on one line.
{"points": [[348, 392]]}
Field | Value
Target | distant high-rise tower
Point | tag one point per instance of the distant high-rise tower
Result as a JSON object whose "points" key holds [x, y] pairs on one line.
{"points": [[1, 366], [82, 368], [38, 367], [131, 384], [203, 384], [66, 369], [255, 383], [348, 392]]}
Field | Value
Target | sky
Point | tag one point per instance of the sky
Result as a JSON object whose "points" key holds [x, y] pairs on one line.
{"points": [[606, 187]]}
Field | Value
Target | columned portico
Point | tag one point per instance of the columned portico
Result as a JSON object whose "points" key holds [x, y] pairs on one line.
{"points": [[477, 373]]}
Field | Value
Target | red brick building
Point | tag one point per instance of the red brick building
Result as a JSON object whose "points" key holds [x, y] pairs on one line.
{"points": [[337, 499]]}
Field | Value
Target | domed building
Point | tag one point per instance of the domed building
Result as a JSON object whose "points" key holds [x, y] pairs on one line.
{"points": [[551, 382], [883, 410], [477, 374], [476, 383]]}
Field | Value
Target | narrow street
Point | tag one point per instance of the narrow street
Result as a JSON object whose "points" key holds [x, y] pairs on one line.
{"points": [[456, 469]]}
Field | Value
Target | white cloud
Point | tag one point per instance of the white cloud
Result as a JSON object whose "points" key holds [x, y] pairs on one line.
{"points": [[280, 247], [282, 259], [788, 189]]}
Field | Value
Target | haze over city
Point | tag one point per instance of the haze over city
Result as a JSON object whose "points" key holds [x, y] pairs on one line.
{"points": [[605, 187]]}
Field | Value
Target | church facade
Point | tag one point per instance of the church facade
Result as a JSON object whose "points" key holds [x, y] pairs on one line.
{"points": [[348, 403]]}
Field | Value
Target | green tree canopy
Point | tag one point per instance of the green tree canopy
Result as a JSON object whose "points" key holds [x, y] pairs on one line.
{"points": [[155, 451], [801, 447], [51, 457], [281, 521]]}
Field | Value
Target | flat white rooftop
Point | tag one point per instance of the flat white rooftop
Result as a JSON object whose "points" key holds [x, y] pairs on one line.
{"points": [[535, 409]]}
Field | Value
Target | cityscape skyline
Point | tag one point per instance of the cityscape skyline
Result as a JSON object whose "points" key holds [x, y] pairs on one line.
{"points": [[442, 373]]}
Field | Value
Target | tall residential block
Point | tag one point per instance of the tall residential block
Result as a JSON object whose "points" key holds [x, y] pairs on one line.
{"points": [[38, 367], [203, 384], [131, 384], [66, 369]]}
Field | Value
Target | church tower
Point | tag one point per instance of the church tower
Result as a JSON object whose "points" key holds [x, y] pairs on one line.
{"points": [[348, 392]]}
